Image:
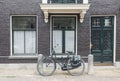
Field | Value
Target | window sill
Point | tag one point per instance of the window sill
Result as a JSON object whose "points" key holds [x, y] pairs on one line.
{"points": [[23, 57]]}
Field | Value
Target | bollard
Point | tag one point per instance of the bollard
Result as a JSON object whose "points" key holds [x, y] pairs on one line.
{"points": [[40, 56], [90, 64]]}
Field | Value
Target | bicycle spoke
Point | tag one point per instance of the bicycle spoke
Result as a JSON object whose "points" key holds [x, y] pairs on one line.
{"points": [[75, 68], [46, 67]]}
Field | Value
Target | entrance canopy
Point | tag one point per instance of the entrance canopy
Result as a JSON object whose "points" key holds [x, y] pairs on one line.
{"points": [[66, 6]]}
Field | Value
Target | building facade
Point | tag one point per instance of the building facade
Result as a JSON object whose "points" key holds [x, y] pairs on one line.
{"points": [[32, 27]]}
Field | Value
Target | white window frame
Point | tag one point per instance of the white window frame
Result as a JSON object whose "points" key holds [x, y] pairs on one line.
{"points": [[51, 32], [12, 56]]}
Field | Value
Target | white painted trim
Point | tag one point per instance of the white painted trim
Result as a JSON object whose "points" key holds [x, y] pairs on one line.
{"points": [[51, 29], [50, 35], [85, 1], [44, 1], [23, 57], [37, 34], [90, 34], [102, 15], [77, 33], [10, 35], [114, 49], [11, 55]]}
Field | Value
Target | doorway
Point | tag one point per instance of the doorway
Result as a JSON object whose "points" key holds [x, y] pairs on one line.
{"points": [[102, 35]]}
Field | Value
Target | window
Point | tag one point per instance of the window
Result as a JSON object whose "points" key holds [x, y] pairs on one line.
{"points": [[24, 35], [64, 34]]}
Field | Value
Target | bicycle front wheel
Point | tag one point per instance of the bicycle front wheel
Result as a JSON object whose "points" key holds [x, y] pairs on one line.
{"points": [[46, 66], [75, 69]]}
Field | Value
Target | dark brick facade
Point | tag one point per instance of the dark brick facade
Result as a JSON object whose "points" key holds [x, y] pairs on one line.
{"points": [[31, 7]]}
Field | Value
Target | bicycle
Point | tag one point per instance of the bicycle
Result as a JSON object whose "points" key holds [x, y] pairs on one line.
{"points": [[73, 64]]}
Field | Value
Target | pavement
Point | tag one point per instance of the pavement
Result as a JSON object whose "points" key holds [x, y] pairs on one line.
{"points": [[31, 74]]}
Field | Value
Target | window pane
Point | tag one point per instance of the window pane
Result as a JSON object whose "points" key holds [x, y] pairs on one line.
{"points": [[69, 41], [57, 41], [64, 23], [24, 22], [107, 22], [30, 41], [96, 40], [107, 40], [96, 22], [18, 42]]}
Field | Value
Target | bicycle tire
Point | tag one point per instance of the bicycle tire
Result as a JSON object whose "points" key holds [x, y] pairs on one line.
{"points": [[75, 71], [46, 66]]}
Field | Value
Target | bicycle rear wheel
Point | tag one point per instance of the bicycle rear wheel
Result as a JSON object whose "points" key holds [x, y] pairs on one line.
{"points": [[46, 66], [75, 69]]}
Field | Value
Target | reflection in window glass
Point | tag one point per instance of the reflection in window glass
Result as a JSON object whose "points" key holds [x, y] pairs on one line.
{"points": [[107, 22], [96, 22], [64, 22], [23, 23]]}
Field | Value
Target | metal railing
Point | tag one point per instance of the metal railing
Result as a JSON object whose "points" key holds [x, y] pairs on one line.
{"points": [[65, 1]]}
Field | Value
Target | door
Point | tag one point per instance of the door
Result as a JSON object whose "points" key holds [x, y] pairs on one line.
{"points": [[64, 34], [102, 38]]}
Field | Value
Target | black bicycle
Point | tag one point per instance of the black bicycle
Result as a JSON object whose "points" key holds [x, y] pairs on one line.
{"points": [[73, 64]]}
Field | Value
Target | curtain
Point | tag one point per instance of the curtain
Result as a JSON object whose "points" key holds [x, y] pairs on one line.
{"points": [[18, 42], [69, 41], [24, 42], [30, 41], [57, 41]]}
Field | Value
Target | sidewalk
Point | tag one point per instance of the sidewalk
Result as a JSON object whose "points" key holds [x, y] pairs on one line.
{"points": [[30, 74]]}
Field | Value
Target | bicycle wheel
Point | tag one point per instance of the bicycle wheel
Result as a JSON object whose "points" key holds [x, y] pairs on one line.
{"points": [[46, 66], [75, 69]]}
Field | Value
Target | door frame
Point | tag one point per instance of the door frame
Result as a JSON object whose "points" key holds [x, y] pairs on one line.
{"points": [[51, 30], [114, 36]]}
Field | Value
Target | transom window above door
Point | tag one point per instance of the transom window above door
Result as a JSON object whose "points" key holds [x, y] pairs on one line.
{"points": [[64, 34], [64, 23], [23, 35]]}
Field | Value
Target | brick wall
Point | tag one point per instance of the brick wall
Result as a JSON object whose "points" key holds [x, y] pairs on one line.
{"points": [[31, 7]]}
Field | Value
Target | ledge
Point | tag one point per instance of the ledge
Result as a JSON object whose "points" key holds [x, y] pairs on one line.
{"points": [[23, 57], [64, 8]]}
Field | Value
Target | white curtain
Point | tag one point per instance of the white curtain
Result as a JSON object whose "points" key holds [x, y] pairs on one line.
{"points": [[18, 42], [57, 41], [24, 42], [69, 41], [30, 41]]}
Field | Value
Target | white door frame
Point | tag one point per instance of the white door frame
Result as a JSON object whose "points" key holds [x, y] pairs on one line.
{"points": [[114, 39]]}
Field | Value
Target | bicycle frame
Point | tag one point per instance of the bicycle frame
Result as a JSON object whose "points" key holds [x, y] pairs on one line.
{"points": [[63, 61], [66, 63]]}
